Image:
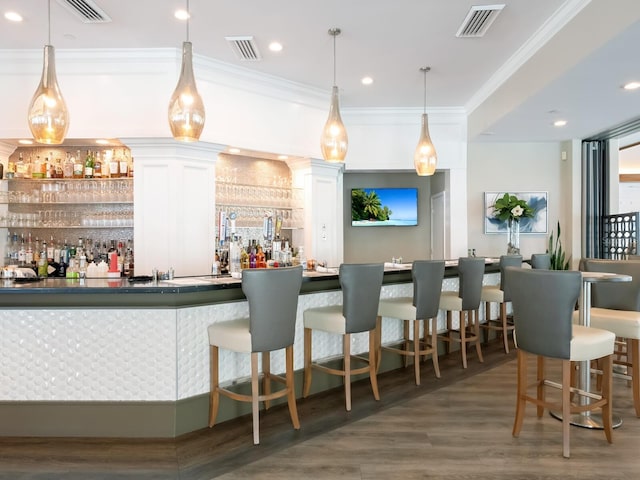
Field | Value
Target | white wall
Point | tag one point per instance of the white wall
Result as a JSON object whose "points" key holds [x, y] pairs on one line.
{"points": [[515, 167]]}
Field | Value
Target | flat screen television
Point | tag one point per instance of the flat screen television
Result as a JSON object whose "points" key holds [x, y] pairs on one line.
{"points": [[383, 207]]}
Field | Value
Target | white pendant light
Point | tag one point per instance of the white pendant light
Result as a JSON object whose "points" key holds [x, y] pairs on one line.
{"points": [[334, 141], [425, 158], [48, 115], [186, 109]]}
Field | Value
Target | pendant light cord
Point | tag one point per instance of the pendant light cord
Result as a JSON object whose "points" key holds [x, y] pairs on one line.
{"points": [[188, 18], [334, 59], [424, 70], [49, 20]]}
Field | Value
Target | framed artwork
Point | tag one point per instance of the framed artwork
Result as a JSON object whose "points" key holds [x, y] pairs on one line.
{"points": [[529, 225]]}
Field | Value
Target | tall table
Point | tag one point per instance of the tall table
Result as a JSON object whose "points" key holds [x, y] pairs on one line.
{"points": [[588, 419]]}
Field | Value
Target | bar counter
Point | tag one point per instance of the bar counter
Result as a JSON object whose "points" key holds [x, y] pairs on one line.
{"points": [[106, 357]]}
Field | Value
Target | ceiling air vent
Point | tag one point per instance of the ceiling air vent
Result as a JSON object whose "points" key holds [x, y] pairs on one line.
{"points": [[244, 47], [86, 10], [478, 20]]}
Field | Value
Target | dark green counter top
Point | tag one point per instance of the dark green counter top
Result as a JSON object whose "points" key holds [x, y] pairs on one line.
{"points": [[180, 292]]}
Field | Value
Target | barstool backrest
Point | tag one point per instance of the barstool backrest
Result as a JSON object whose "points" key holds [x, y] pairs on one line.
{"points": [[470, 275], [273, 303], [543, 303], [361, 284], [541, 261], [508, 261], [618, 296], [427, 285]]}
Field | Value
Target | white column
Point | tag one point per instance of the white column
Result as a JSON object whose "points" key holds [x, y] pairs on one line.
{"points": [[174, 205], [323, 210]]}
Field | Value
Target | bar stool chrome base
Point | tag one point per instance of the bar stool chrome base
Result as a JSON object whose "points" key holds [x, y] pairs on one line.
{"points": [[589, 420]]}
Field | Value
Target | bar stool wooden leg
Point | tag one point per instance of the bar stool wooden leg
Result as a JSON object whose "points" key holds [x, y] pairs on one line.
{"points": [[214, 395], [266, 377], [463, 336], [346, 346], [416, 350], [566, 407], [449, 328], [505, 334], [521, 391], [487, 319], [407, 343], [607, 392], [307, 362], [291, 395], [255, 404], [540, 390], [476, 332], [372, 364], [378, 342], [434, 343], [633, 350]]}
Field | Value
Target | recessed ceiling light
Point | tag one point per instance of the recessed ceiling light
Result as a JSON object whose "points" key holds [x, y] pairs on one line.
{"points": [[102, 141], [275, 46], [283, 157], [13, 16], [181, 14], [559, 123], [234, 150], [367, 80], [25, 142], [631, 85]]}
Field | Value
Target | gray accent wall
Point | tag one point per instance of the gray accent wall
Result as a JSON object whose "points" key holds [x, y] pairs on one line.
{"points": [[380, 244]]}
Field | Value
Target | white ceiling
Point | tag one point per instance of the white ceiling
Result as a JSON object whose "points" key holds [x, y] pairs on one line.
{"points": [[539, 61]]}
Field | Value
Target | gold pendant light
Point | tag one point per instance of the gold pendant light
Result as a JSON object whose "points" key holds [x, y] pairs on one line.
{"points": [[48, 115], [425, 158], [186, 109], [334, 141]]}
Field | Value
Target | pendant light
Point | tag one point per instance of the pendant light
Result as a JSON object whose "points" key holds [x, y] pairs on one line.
{"points": [[425, 158], [186, 110], [48, 116], [334, 142]]}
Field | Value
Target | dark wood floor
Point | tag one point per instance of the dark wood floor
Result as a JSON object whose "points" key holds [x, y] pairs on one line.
{"points": [[458, 427]]}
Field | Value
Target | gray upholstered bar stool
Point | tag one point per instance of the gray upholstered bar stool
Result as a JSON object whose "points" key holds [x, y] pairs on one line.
{"points": [[361, 285], [427, 284], [496, 294], [541, 261], [543, 304], [616, 307], [465, 301], [272, 295]]}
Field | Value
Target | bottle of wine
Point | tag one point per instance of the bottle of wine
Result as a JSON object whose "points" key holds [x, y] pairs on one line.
{"points": [[78, 166], [97, 166], [88, 165]]}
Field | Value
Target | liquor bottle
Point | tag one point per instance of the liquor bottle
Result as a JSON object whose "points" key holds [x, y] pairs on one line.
{"points": [[22, 253], [58, 169], [11, 168], [28, 259], [78, 166], [88, 165], [114, 165], [38, 168], [67, 168], [261, 258], [97, 166], [124, 164], [42, 262], [50, 249]]}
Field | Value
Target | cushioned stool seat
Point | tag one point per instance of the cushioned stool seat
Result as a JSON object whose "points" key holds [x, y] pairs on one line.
{"points": [[543, 304], [273, 300], [361, 285], [427, 278]]}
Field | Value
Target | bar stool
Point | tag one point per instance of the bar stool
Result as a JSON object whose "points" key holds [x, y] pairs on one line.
{"points": [[617, 308], [543, 305], [541, 261], [497, 294], [466, 301], [272, 295], [361, 285], [427, 284]]}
